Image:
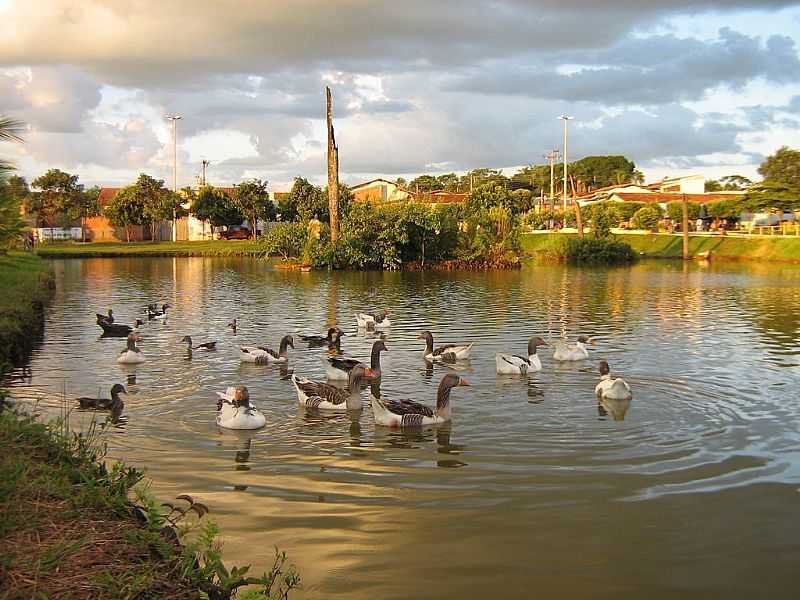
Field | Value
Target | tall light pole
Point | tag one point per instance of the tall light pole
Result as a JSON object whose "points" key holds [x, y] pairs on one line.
{"points": [[174, 119], [552, 157], [566, 119], [205, 164]]}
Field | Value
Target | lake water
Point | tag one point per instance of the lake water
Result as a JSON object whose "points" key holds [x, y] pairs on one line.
{"points": [[532, 491]]}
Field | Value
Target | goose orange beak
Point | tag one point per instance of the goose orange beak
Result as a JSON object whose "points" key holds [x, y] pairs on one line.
{"points": [[462, 381]]}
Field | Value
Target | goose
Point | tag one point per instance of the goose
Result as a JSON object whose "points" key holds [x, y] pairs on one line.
{"points": [[153, 313], [610, 388], [232, 325], [314, 394], [261, 355], [131, 355], [446, 353], [113, 403], [234, 410], [333, 339], [117, 329], [377, 321], [508, 364], [338, 368], [109, 318], [407, 413], [572, 352], [207, 346]]}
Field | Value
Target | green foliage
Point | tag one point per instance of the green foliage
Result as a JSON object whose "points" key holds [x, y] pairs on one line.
{"points": [[675, 211], [214, 205], [782, 167], [146, 202], [61, 196], [10, 131], [539, 219], [726, 209], [490, 235], [252, 199], [286, 239], [304, 202], [647, 217], [488, 196], [594, 251], [602, 217], [125, 210], [11, 224], [770, 195], [729, 183]]}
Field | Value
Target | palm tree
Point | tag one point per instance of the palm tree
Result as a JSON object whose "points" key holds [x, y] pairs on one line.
{"points": [[9, 132]]}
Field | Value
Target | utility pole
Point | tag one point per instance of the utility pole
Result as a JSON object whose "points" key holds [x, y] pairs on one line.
{"points": [[174, 119], [566, 119], [685, 228], [205, 164], [552, 157], [333, 170]]}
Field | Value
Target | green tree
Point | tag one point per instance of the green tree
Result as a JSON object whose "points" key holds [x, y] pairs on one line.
{"points": [[126, 209], [304, 202], [770, 195], [675, 211], [252, 199], [61, 195], [157, 202], [729, 183], [782, 167], [424, 183], [487, 196], [214, 205], [11, 224], [10, 130]]}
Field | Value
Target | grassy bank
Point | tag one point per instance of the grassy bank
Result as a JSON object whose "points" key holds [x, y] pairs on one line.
{"points": [[112, 249], [671, 246], [26, 284], [69, 530]]}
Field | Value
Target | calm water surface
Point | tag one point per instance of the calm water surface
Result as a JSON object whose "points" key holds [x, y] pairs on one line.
{"points": [[532, 491]]}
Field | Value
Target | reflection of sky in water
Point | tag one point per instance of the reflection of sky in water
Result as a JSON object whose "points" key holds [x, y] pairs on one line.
{"points": [[531, 484]]}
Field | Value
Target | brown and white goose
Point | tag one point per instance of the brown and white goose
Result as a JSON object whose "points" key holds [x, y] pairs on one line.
{"points": [[338, 367], [445, 353], [408, 413], [262, 355], [316, 394]]}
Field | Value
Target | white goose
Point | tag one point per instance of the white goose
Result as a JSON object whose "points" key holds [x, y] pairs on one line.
{"points": [[315, 394], [611, 388], [234, 410], [377, 321], [261, 355], [407, 413], [508, 364], [131, 355], [446, 353], [571, 352]]}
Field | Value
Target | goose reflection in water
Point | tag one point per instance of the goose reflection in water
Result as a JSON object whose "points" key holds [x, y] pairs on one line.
{"points": [[244, 441]]}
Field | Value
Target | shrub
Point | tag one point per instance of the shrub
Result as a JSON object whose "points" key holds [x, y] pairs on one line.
{"points": [[597, 251], [286, 239], [603, 216], [675, 211], [726, 209], [647, 217], [538, 220]]}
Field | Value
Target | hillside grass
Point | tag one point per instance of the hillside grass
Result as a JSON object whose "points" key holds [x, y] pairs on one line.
{"points": [[112, 249], [778, 249], [25, 281]]}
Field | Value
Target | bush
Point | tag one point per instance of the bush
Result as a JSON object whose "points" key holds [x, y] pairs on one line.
{"points": [[538, 220], [675, 211], [286, 239], [726, 209], [597, 251], [603, 216], [647, 217]]}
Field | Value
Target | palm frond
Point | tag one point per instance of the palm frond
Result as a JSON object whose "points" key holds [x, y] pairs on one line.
{"points": [[10, 129]]}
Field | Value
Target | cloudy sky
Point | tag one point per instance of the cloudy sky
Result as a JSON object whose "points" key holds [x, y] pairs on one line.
{"points": [[679, 86]]}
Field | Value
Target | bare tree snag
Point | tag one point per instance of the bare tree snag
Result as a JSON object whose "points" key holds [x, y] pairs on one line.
{"points": [[333, 171]]}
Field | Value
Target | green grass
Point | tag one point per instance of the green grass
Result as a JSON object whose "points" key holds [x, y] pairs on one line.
{"points": [[778, 249], [25, 280], [68, 528], [111, 249]]}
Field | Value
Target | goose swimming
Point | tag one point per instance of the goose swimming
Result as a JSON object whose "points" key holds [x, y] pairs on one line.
{"points": [[207, 346], [408, 413], [611, 388], [445, 353], [333, 339], [315, 394], [109, 318], [572, 352], [377, 321], [508, 364], [234, 410], [117, 329], [104, 403], [154, 313], [261, 355], [131, 355], [232, 325], [338, 367]]}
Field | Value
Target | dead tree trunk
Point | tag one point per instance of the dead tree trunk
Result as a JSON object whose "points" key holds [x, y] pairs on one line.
{"points": [[333, 171]]}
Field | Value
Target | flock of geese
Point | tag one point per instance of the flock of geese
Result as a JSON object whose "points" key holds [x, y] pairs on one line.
{"points": [[235, 410]]}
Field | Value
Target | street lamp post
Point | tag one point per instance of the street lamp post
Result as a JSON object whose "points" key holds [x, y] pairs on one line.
{"points": [[552, 157], [174, 119], [566, 119]]}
